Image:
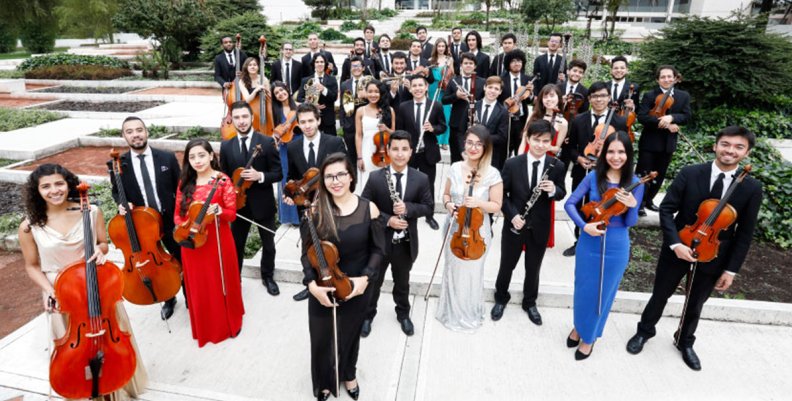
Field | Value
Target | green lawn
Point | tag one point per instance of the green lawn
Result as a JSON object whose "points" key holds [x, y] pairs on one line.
{"points": [[25, 54]]}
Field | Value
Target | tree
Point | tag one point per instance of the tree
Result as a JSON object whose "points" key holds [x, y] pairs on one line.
{"points": [[613, 8], [224, 9], [8, 38], [732, 62], [250, 26], [488, 4], [552, 12], [88, 18], [321, 8], [35, 22]]}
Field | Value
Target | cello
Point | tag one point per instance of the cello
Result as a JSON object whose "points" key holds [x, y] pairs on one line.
{"points": [[380, 158], [151, 275], [95, 357], [241, 185], [302, 192], [262, 115], [231, 95], [192, 233], [601, 211], [467, 243], [601, 132]]}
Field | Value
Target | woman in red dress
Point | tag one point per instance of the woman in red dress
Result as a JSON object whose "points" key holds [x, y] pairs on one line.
{"points": [[215, 301], [549, 99]]}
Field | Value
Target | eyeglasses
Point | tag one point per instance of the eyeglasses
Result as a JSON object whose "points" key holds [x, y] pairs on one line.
{"points": [[342, 175], [475, 145], [288, 50], [602, 96]]}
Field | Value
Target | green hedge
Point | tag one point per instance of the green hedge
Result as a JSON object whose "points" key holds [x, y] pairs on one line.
{"points": [[50, 60], [13, 119], [8, 39], [250, 26], [765, 123], [78, 72], [331, 34]]}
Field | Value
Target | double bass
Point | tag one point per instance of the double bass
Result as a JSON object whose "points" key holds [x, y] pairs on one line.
{"points": [[467, 243], [95, 357], [150, 274], [262, 115], [601, 211], [192, 233], [231, 95], [241, 185]]}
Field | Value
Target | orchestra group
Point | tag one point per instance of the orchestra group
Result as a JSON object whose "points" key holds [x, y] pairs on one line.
{"points": [[513, 135]]}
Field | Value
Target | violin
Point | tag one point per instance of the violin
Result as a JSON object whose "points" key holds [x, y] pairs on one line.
{"points": [[323, 257], [302, 192], [601, 132], [95, 357], [572, 103], [241, 185], [192, 233], [663, 103], [522, 93], [262, 115], [467, 243], [231, 95], [601, 211], [630, 114], [150, 274], [712, 217], [380, 158], [284, 132]]}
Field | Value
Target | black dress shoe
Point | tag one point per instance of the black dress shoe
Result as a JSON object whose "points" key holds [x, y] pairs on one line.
{"points": [[167, 309], [366, 329], [323, 396], [354, 393], [579, 356], [690, 358], [497, 311], [301, 296], [570, 251], [636, 344], [432, 223], [407, 326], [572, 343], [651, 206], [272, 286], [642, 212], [534, 315]]}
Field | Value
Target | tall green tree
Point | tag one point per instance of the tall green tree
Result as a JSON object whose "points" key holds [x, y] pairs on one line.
{"points": [[321, 8], [34, 21], [88, 18], [550, 12], [613, 6]]}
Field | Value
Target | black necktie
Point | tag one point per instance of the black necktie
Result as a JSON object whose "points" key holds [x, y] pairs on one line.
{"points": [[244, 149], [717, 188], [387, 64], [418, 123], [467, 86], [151, 199], [231, 59], [514, 91], [415, 64], [552, 61], [596, 121], [288, 78], [485, 116], [311, 155], [615, 91], [534, 173], [399, 185]]}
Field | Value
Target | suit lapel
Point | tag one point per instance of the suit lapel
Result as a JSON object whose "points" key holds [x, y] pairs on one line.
{"points": [[128, 175], [704, 180]]}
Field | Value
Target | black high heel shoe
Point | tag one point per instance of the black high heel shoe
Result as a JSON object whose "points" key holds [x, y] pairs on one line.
{"points": [[322, 396], [572, 343], [355, 392], [579, 356]]}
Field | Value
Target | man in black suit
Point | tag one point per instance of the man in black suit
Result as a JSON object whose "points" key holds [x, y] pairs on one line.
{"points": [[150, 178], [309, 150], [399, 88], [499, 66], [620, 85], [411, 188], [326, 89], [457, 46], [693, 185], [225, 63], [482, 60], [549, 64], [513, 79], [426, 46], [457, 95], [573, 86], [581, 133], [263, 172], [531, 233], [347, 117], [659, 136], [359, 51], [415, 59], [313, 50], [423, 130], [287, 69], [493, 114], [383, 59], [369, 43]]}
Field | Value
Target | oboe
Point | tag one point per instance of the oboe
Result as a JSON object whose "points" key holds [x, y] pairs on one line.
{"points": [[395, 198], [537, 191]]}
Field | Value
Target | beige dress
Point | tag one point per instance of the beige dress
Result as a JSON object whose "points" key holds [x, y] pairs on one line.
{"points": [[57, 251]]}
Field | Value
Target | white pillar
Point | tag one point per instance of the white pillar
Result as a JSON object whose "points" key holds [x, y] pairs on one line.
{"points": [[670, 10]]}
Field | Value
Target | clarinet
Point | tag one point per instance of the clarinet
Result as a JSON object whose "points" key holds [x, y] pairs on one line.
{"points": [[537, 192], [395, 198]]}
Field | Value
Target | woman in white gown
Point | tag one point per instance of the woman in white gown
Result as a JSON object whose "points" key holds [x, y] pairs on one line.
{"points": [[370, 119]]}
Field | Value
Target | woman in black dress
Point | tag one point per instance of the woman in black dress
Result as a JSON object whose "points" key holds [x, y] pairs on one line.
{"points": [[349, 222]]}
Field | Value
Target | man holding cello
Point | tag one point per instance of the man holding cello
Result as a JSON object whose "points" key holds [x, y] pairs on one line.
{"points": [[692, 186]]}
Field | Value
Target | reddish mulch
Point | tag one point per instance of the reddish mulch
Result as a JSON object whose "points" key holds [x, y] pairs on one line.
{"points": [[13, 102], [89, 160], [180, 91], [20, 299], [31, 87]]}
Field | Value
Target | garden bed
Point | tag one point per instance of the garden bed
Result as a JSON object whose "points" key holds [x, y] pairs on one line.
{"points": [[14, 102], [129, 107], [87, 160], [87, 89]]}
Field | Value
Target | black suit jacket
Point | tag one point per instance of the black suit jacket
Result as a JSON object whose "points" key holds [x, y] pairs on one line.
{"points": [[498, 127], [497, 68], [581, 133], [402, 95], [406, 122], [654, 139], [482, 65], [463, 47], [508, 90], [296, 74], [516, 193], [347, 122], [298, 164], [421, 62], [374, 45], [582, 90], [417, 198], [167, 172], [328, 100], [459, 107], [379, 63], [690, 187], [625, 91], [549, 72], [260, 199], [224, 72], [426, 50], [307, 63], [346, 69]]}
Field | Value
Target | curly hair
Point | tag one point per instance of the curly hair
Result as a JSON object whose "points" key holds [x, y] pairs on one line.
{"points": [[35, 205]]}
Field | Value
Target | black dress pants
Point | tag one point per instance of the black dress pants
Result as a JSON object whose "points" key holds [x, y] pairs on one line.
{"points": [[401, 264], [653, 161], [240, 229], [511, 249]]}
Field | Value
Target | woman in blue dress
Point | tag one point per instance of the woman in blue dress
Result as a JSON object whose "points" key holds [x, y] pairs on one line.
{"points": [[281, 107], [441, 59], [614, 169]]}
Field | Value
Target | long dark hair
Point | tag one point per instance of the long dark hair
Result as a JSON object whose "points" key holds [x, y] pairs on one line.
{"points": [[603, 167], [277, 107], [189, 175], [246, 75], [35, 205], [384, 103], [326, 209], [539, 110]]}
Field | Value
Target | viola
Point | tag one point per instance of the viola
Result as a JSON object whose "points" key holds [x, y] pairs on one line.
{"points": [[467, 243], [302, 192], [601, 211], [241, 185], [712, 217], [284, 132], [663, 103], [629, 112], [150, 274], [323, 257], [192, 233], [601, 132], [522, 93], [262, 115], [95, 357], [231, 95], [380, 158]]}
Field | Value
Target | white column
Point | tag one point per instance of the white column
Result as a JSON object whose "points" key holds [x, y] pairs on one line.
{"points": [[670, 10]]}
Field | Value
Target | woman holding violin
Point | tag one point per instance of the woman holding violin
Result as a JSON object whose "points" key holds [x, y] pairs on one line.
{"points": [[374, 122], [52, 238], [210, 270], [474, 188], [603, 250], [350, 225], [284, 110], [442, 67]]}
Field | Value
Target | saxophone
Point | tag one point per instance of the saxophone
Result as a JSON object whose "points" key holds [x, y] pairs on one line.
{"points": [[395, 198]]}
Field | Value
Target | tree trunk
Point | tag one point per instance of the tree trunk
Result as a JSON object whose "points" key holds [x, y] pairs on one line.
{"points": [[613, 22], [486, 25]]}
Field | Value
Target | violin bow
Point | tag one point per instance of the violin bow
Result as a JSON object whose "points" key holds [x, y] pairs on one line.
{"points": [[692, 147], [603, 238], [222, 272], [688, 286], [437, 263]]}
